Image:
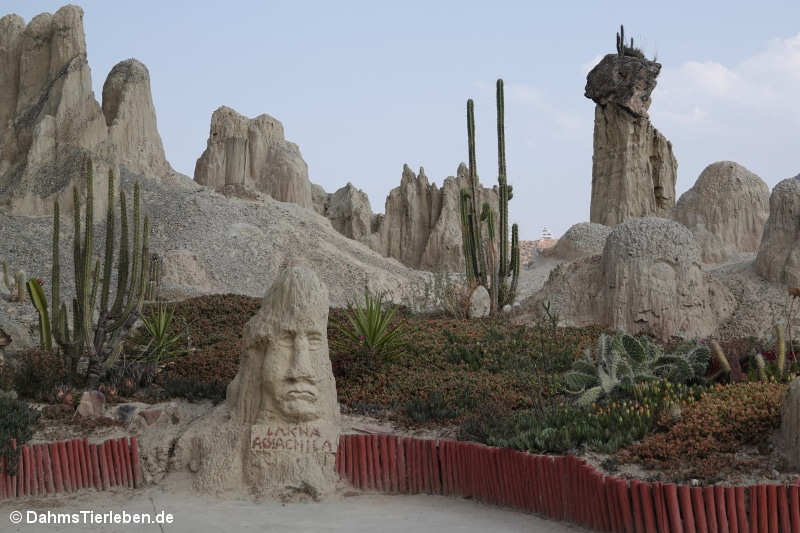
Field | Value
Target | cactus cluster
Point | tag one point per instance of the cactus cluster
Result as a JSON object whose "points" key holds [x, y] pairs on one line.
{"points": [[16, 288], [485, 266], [623, 49], [100, 341]]}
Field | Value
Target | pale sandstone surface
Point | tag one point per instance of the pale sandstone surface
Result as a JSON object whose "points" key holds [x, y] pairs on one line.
{"points": [[778, 256], [252, 155], [726, 209]]}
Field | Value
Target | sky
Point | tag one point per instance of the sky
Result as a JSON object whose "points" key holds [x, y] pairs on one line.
{"points": [[364, 87]]}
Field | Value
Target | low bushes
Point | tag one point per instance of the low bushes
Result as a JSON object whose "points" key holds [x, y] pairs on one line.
{"points": [[710, 430], [16, 423]]}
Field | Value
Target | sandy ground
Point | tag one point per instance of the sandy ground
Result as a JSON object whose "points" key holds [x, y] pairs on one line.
{"points": [[347, 511]]}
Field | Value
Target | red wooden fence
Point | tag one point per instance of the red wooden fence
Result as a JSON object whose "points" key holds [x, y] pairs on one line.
{"points": [[562, 488], [72, 465], [559, 487]]}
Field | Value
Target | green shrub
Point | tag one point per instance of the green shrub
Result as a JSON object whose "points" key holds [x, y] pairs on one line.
{"points": [[429, 408], [712, 429], [16, 422], [162, 342], [39, 374], [195, 391], [559, 427]]}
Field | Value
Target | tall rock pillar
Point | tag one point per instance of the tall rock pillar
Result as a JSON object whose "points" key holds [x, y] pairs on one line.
{"points": [[633, 167]]}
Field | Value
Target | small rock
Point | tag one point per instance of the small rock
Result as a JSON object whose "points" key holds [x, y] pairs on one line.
{"points": [[479, 302], [93, 404], [507, 308], [150, 415], [125, 412]]}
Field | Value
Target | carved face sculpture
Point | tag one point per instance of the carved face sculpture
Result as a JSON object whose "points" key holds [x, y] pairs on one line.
{"points": [[293, 368], [286, 371]]}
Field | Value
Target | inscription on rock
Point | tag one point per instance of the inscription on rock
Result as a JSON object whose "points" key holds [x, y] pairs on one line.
{"points": [[300, 438]]}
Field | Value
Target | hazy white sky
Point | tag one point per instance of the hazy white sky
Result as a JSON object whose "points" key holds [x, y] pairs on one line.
{"points": [[363, 87]]}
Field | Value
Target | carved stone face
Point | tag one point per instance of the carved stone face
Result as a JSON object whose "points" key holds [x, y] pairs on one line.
{"points": [[294, 369]]}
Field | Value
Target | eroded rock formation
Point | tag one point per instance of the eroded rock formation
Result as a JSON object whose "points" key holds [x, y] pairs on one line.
{"points": [[50, 120], [648, 279], [421, 225], [247, 155], [131, 117], [277, 433], [633, 167], [778, 256], [726, 209], [581, 240]]}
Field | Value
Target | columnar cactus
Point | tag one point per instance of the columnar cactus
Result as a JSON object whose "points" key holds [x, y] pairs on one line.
{"points": [[498, 269], [100, 340]]}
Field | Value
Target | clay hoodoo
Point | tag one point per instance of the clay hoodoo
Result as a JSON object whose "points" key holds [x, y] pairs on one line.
{"points": [[647, 280], [50, 121], [726, 209], [633, 167], [246, 156], [581, 240], [131, 118], [778, 256]]}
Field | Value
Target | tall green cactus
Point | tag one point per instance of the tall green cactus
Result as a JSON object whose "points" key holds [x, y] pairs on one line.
{"points": [[498, 269], [100, 340]]}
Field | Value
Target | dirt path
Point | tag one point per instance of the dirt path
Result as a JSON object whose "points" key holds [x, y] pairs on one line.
{"points": [[353, 513]]}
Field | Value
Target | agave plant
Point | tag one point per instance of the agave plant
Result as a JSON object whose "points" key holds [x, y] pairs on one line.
{"points": [[623, 361], [371, 327]]}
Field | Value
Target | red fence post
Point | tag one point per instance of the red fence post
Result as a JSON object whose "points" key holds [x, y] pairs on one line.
{"points": [[783, 509], [673, 507], [741, 511], [138, 478], [730, 506], [95, 462], [74, 478], [105, 468], [126, 444], [645, 495], [386, 463], [794, 501], [48, 469], [391, 446], [401, 466], [722, 515], [763, 515], [685, 498], [772, 507], [26, 456], [349, 467], [40, 475], [711, 509]]}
